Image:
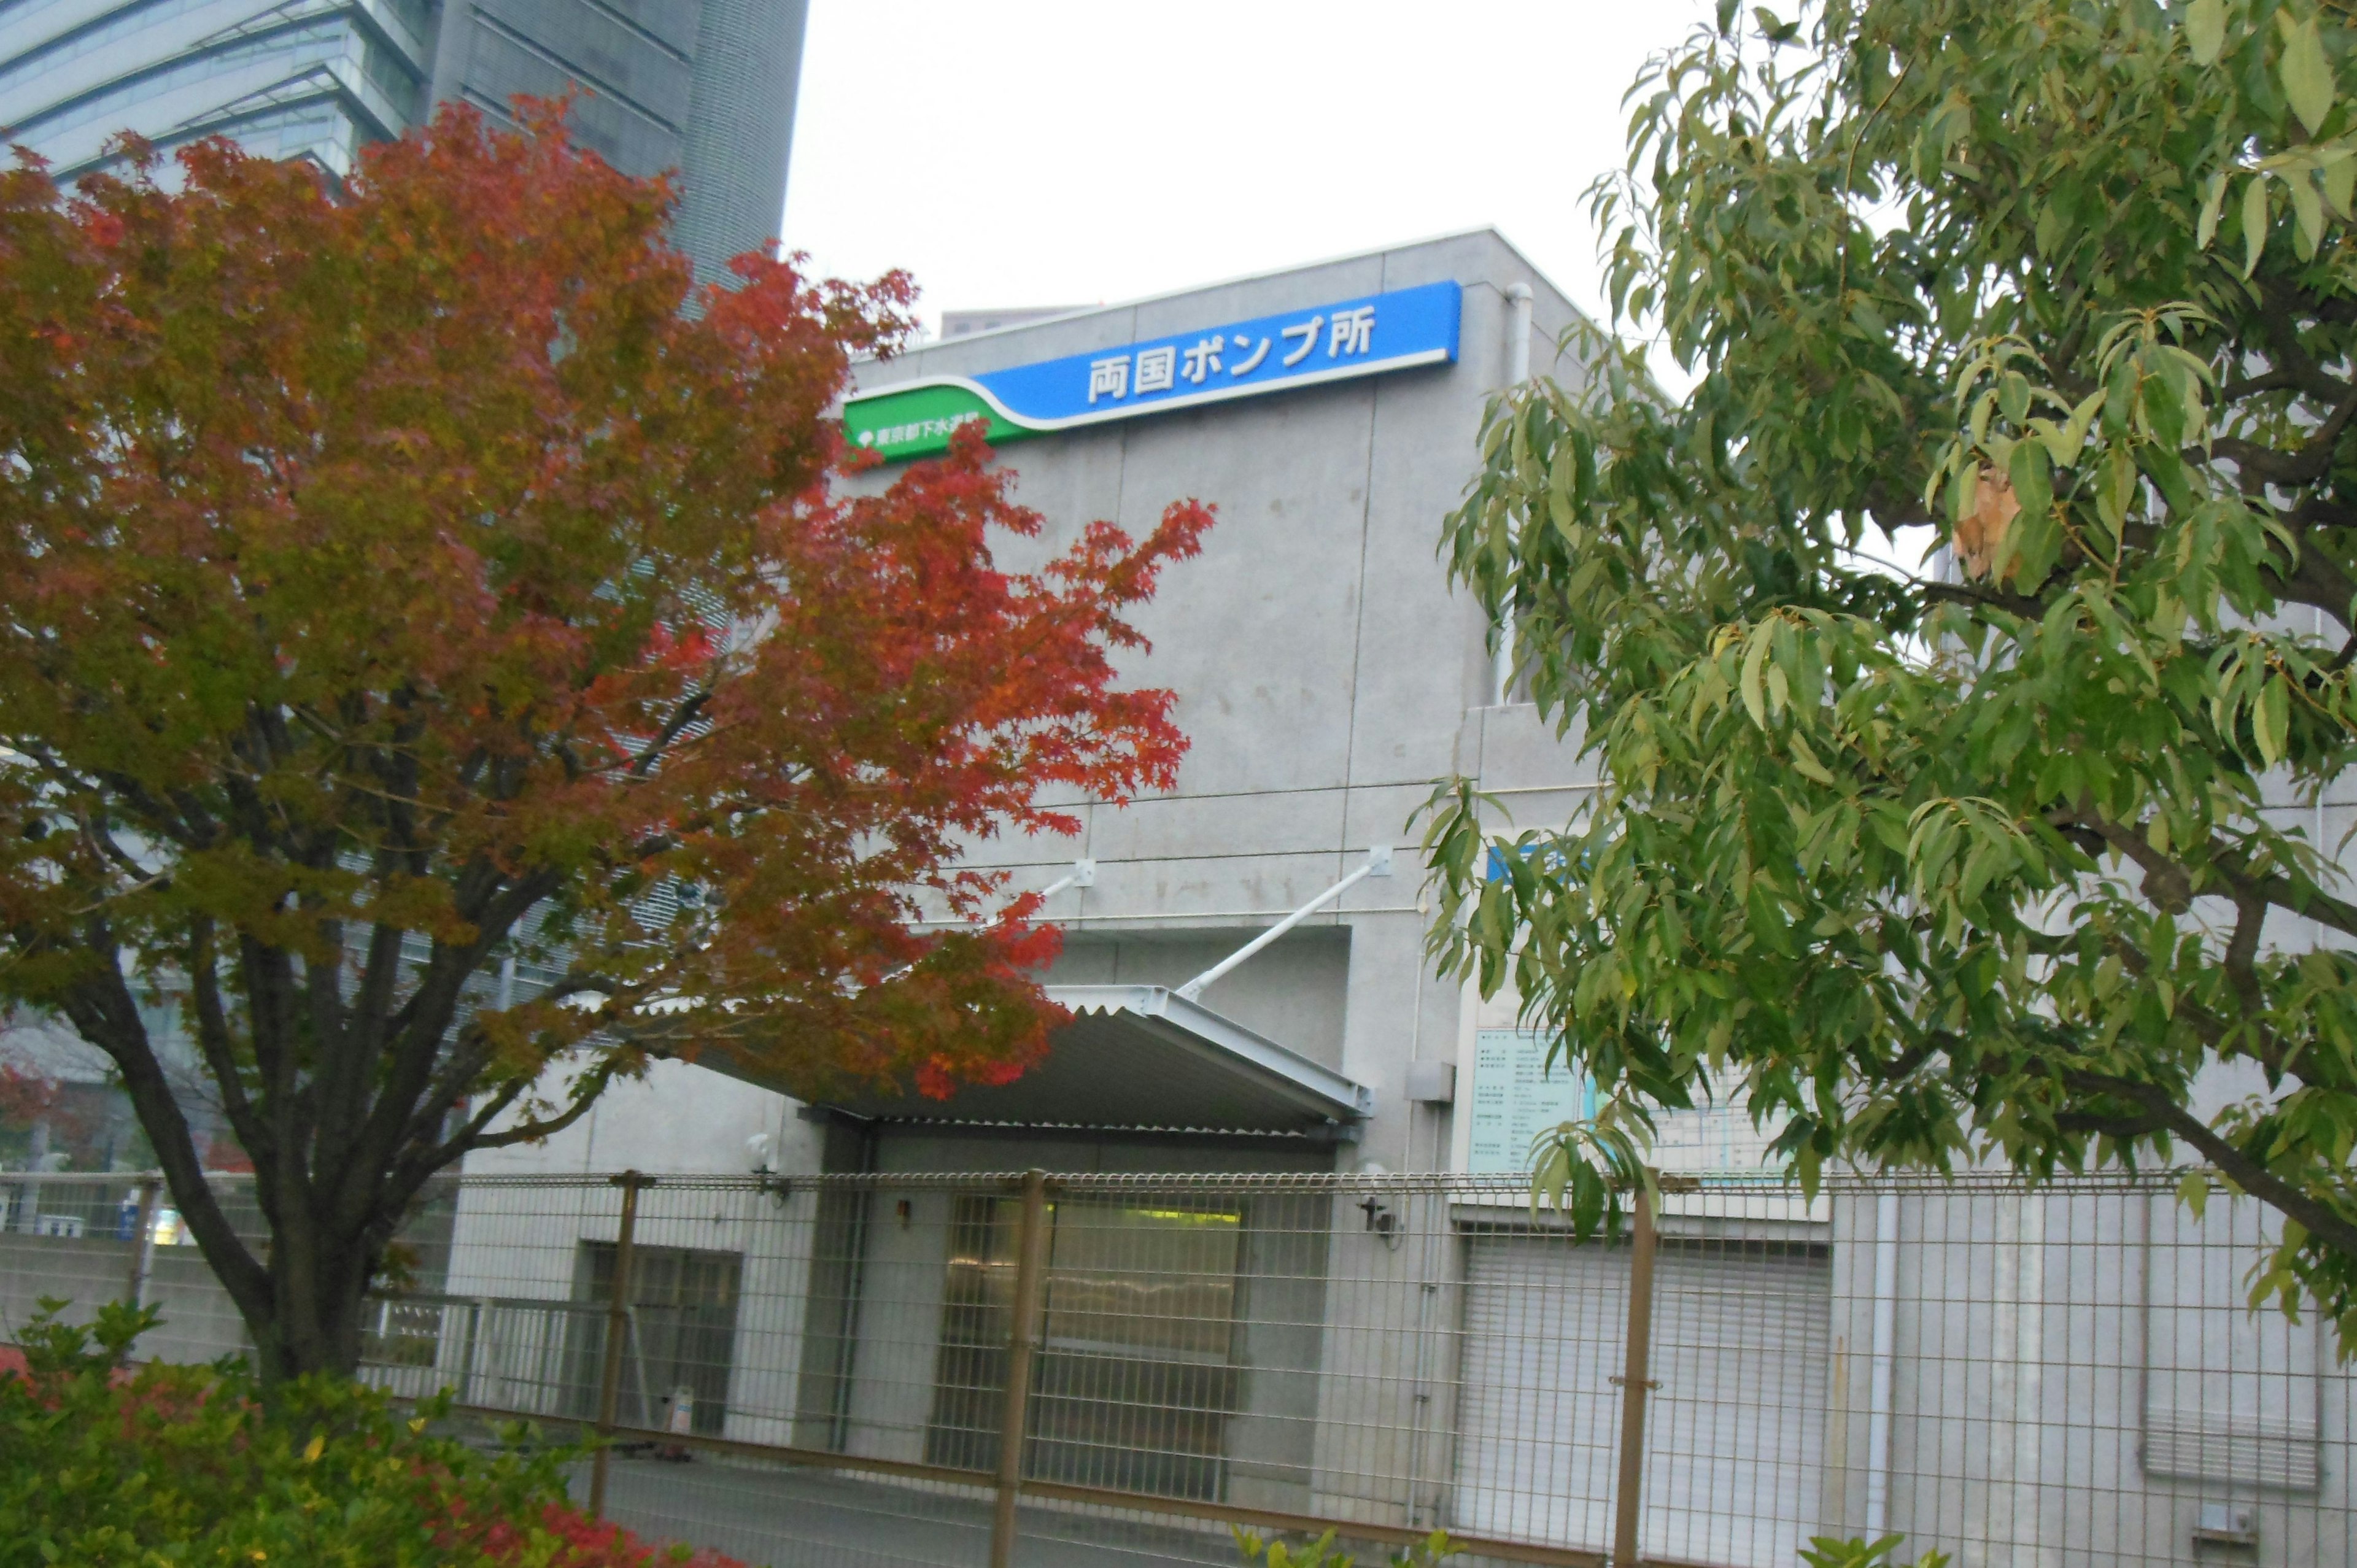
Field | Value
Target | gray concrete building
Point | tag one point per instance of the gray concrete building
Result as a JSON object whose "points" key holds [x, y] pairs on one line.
{"points": [[1290, 1264], [2065, 1377], [1326, 676], [705, 87]]}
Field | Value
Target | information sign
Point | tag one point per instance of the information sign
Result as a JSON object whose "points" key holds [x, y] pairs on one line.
{"points": [[1511, 1098], [1514, 1098], [1347, 338]]}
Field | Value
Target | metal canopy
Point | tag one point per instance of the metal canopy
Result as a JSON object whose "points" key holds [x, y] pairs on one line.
{"points": [[1143, 1056]]}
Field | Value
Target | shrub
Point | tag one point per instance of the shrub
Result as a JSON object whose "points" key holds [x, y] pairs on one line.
{"points": [[106, 1467], [1832, 1552], [1320, 1553]]}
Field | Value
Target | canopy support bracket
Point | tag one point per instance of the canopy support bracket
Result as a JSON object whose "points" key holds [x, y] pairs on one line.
{"points": [[1379, 863]]}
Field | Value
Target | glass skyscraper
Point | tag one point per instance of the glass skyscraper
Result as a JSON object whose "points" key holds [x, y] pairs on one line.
{"points": [[703, 86]]}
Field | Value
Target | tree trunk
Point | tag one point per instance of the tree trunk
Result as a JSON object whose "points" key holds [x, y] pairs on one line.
{"points": [[300, 1288], [314, 1325]]}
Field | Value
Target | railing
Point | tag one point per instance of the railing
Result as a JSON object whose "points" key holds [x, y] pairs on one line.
{"points": [[1050, 1370]]}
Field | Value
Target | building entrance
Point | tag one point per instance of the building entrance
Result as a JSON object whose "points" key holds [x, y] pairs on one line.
{"points": [[1136, 1383], [683, 1331]]}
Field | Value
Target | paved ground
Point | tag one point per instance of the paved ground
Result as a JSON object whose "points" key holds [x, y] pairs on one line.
{"points": [[787, 1518]]}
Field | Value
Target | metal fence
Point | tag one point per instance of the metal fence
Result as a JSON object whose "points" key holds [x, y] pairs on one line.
{"points": [[1056, 1370]]}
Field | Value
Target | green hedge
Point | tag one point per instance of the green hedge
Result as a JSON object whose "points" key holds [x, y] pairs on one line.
{"points": [[103, 1467]]}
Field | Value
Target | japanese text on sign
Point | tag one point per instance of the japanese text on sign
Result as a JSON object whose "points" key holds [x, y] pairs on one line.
{"points": [[918, 430], [1348, 334], [1327, 341], [1514, 1096]]}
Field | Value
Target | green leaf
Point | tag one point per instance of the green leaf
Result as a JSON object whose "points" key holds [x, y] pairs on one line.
{"points": [[1755, 697], [2308, 206], [2271, 719], [2340, 178], [1805, 763], [2213, 200], [2306, 76], [2205, 29], [2034, 540], [2013, 396], [2048, 229], [2254, 222], [2082, 419]]}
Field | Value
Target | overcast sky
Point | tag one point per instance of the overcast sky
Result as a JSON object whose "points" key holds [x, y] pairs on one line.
{"points": [[1073, 152]]}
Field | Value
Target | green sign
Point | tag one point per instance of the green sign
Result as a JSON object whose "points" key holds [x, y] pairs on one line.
{"points": [[917, 422]]}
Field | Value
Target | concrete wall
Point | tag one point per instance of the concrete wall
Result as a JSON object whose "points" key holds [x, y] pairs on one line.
{"points": [[1326, 674], [199, 1322], [518, 1250], [679, 1119], [2041, 1344]]}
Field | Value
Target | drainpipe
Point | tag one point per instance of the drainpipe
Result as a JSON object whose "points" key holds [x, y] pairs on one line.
{"points": [[1885, 1335], [1518, 370]]}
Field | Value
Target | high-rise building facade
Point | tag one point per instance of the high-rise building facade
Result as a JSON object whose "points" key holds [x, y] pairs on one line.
{"points": [[705, 87]]}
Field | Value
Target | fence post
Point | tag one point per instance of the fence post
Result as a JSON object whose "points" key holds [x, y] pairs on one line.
{"points": [[618, 1324], [143, 1242], [1635, 1381], [1022, 1345]]}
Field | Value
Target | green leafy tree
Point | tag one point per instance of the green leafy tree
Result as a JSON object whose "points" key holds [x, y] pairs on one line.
{"points": [[2020, 857]]}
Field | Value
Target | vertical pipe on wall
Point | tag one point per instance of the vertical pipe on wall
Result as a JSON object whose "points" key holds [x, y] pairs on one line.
{"points": [[2027, 1508], [1518, 370], [1429, 1225], [2018, 1412], [1878, 1371]]}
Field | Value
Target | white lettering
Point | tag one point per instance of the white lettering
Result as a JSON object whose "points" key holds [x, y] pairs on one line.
{"points": [[1109, 378], [1204, 358], [1354, 332], [1156, 370], [1308, 332]]}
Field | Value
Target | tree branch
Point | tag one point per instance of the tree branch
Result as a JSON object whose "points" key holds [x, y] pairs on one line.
{"points": [[2323, 1221], [103, 1012]]}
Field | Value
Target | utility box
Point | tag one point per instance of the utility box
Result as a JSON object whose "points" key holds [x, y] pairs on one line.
{"points": [[1432, 1083]]}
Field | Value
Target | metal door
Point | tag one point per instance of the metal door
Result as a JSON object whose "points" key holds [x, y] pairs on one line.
{"points": [[1134, 1384], [1736, 1430]]}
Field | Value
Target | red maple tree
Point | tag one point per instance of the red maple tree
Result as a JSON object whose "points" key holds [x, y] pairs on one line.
{"points": [[25, 1095], [409, 577]]}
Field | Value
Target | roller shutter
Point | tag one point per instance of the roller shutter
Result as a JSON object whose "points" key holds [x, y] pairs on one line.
{"points": [[1735, 1434]]}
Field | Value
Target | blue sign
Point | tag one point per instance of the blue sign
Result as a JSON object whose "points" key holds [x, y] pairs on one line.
{"points": [[1348, 338]]}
